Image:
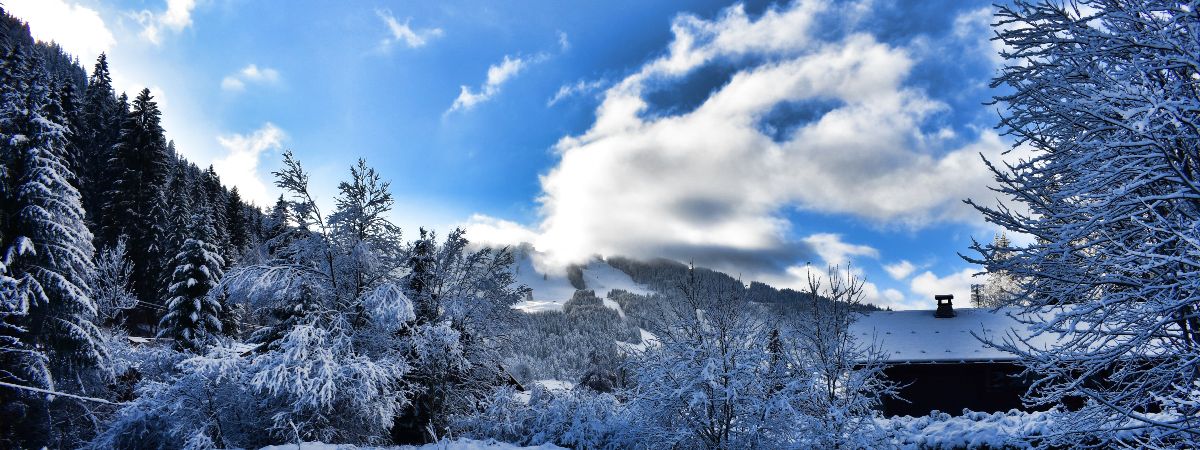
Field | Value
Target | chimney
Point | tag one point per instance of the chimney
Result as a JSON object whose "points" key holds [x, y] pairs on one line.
{"points": [[945, 309]]}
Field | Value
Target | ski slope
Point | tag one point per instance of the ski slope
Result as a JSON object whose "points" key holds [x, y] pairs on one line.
{"points": [[551, 291]]}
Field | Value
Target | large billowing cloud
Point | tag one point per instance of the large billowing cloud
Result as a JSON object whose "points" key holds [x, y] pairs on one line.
{"points": [[809, 114], [822, 125]]}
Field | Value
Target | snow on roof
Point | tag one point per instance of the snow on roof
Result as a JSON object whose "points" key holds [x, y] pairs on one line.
{"points": [[918, 336]]}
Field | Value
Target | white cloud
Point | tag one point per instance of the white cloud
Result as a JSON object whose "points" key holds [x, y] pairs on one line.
{"points": [[564, 44], [78, 29], [497, 75], [926, 285], [403, 33], [237, 81], [715, 177], [834, 252], [487, 230], [176, 18], [900, 270], [569, 90], [239, 166]]}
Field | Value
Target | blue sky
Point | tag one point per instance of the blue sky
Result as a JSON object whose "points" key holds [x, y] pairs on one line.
{"points": [[753, 137]]}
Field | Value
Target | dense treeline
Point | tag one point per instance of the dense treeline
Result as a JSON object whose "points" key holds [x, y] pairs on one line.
{"points": [[665, 275]]}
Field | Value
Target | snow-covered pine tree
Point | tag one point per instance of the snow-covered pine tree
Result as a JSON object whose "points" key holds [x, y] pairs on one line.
{"points": [[1105, 95], [217, 203], [44, 225], [68, 113], [25, 418], [275, 227], [421, 286], [179, 208], [193, 314], [46, 320], [99, 129], [139, 165], [239, 232]]}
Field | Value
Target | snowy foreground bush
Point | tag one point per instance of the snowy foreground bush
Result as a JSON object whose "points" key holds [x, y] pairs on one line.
{"points": [[1013, 429], [457, 444]]}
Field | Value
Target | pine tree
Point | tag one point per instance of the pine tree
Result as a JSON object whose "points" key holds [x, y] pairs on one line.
{"points": [[275, 227], [69, 113], [44, 227], [99, 128], [135, 198], [239, 234], [193, 315], [421, 278], [24, 419], [214, 196], [47, 328], [178, 222]]}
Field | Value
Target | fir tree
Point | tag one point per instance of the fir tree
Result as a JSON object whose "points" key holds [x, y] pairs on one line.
{"points": [[24, 419], [239, 234], [275, 226], [134, 201], [99, 128], [45, 224], [46, 312], [68, 113], [421, 279], [193, 315], [214, 196]]}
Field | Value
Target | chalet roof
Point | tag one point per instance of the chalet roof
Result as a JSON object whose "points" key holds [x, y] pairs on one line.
{"points": [[919, 337]]}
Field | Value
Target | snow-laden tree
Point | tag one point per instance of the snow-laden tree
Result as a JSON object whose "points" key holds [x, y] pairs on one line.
{"points": [[99, 129], [1106, 96], [239, 232], [48, 332], [110, 284], [832, 380], [193, 315], [135, 200], [705, 383], [332, 336], [576, 418], [462, 293], [44, 227]]}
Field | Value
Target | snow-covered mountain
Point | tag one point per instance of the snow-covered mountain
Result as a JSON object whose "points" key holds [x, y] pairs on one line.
{"points": [[551, 289]]}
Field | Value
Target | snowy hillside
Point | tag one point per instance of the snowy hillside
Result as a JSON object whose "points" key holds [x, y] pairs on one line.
{"points": [[551, 290]]}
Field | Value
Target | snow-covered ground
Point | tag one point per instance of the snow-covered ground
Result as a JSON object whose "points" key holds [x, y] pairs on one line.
{"points": [[457, 444], [551, 290], [970, 430]]}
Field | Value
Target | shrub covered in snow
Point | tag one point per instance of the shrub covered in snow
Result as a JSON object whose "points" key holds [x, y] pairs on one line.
{"points": [[575, 418]]}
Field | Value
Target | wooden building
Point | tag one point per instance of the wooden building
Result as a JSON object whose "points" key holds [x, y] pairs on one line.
{"points": [[941, 360]]}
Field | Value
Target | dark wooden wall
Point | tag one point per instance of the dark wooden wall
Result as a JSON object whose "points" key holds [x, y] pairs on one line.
{"points": [[950, 387]]}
